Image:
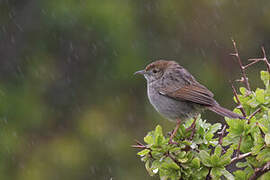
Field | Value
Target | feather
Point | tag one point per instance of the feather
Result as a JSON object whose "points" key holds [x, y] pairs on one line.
{"points": [[193, 93]]}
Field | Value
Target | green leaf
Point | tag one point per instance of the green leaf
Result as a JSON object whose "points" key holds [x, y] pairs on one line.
{"points": [[149, 139], [252, 161], [183, 160], [243, 99], [259, 95], [218, 150], [240, 175], [181, 131], [264, 155], [225, 159], [263, 125], [229, 152], [158, 140], [265, 78], [215, 127], [227, 174], [143, 152], [158, 131], [241, 164], [267, 139], [248, 171], [170, 164], [236, 126], [155, 166], [215, 160], [265, 176], [258, 143], [253, 102], [205, 158], [201, 173], [181, 154], [176, 149], [209, 136], [147, 167], [243, 90], [216, 173], [247, 144], [200, 131], [256, 149], [195, 162]]}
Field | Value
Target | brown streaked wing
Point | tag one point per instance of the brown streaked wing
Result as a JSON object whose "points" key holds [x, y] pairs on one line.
{"points": [[193, 93]]}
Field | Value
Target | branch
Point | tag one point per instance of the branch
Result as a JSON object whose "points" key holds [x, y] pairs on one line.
{"points": [[254, 113], [238, 101], [244, 79], [242, 156], [139, 145], [142, 146], [262, 133], [221, 135], [264, 59], [193, 128], [260, 171], [239, 145], [174, 159], [250, 64], [208, 177]]}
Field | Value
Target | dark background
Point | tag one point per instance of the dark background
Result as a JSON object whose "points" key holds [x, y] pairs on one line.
{"points": [[70, 106]]}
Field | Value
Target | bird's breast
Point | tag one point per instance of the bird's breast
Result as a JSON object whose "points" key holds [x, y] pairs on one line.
{"points": [[170, 108]]}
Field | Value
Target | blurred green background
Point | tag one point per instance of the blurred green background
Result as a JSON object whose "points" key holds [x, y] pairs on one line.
{"points": [[70, 106]]}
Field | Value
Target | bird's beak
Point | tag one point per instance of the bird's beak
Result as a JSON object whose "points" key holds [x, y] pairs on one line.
{"points": [[142, 72]]}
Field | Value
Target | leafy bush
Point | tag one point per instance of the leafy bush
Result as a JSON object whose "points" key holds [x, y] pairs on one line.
{"points": [[206, 152]]}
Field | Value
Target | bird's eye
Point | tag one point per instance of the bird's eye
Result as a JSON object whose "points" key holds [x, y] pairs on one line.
{"points": [[155, 71]]}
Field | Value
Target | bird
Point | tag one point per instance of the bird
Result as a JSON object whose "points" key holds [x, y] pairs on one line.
{"points": [[177, 95]]}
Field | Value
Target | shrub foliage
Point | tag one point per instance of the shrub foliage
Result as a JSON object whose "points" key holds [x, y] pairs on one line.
{"points": [[206, 152]]}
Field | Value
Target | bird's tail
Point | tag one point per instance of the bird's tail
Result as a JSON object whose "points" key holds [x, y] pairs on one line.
{"points": [[225, 112]]}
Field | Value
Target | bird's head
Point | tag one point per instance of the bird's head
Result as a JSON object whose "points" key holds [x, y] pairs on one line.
{"points": [[156, 69]]}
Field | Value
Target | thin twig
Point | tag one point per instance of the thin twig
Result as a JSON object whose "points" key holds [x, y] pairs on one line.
{"points": [[242, 156], [138, 142], [253, 114], [238, 101], [208, 177], [142, 146], [192, 128], [242, 68], [221, 135], [174, 159], [239, 145], [264, 59], [250, 64], [262, 133], [139, 145], [260, 171]]}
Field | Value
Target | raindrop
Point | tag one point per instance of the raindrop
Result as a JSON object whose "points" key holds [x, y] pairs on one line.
{"points": [[12, 39], [4, 29], [202, 52], [14, 134], [71, 46], [19, 27], [130, 118], [5, 120], [117, 99]]}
